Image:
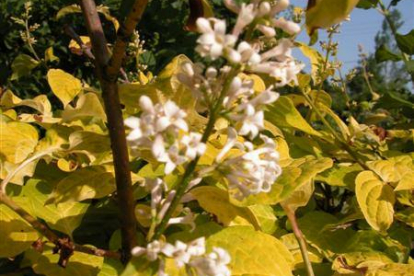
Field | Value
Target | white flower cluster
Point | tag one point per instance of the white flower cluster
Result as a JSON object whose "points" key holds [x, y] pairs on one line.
{"points": [[158, 128], [252, 172], [277, 62], [192, 255]]}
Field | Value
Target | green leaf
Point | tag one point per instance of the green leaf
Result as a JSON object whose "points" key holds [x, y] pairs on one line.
{"points": [[16, 235], [391, 100], [406, 216], [17, 141], [216, 201], [367, 4], [253, 252], [65, 86], [93, 144], [65, 217], [298, 173], [111, 267], [79, 264], [292, 244], [22, 65], [373, 241], [325, 13], [86, 183], [376, 200], [384, 54], [283, 113], [340, 175], [315, 227], [406, 42], [140, 266], [87, 106]]}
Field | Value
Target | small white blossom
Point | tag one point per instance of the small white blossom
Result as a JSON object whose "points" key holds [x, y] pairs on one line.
{"points": [[192, 255], [287, 26], [214, 264], [214, 42], [193, 145], [254, 171], [246, 16]]}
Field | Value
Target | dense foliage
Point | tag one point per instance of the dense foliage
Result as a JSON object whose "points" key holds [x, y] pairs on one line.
{"points": [[241, 162]]}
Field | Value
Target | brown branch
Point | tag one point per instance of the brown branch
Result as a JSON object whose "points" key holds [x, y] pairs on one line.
{"points": [[124, 33], [87, 50], [64, 246], [108, 75]]}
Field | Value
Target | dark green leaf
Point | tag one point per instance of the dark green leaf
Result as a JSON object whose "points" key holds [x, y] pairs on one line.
{"points": [[391, 100], [384, 54], [406, 42], [367, 4], [22, 65]]}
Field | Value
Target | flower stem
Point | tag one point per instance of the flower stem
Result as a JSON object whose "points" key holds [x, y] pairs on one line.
{"points": [[301, 240]]}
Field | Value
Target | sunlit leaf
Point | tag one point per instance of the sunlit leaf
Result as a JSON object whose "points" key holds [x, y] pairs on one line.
{"points": [[87, 106], [216, 201], [284, 114], [17, 141], [325, 13], [79, 264], [63, 85], [376, 200], [253, 252], [16, 235], [65, 217], [86, 183]]}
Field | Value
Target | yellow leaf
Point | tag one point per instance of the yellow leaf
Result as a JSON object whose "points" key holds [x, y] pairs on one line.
{"points": [[17, 141], [88, 105], [283, 113], [393, 169], [314, 57], [376, 200], [252, 252], [65, 86], [325, 13], [40, 103], [216, 201], [79, 264], [16, 235]]}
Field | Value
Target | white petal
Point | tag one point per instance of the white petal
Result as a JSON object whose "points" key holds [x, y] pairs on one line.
{"points": [[203, 25], [132, 122], [146, 104]]}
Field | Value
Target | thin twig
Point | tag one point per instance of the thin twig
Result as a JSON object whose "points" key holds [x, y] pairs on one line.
{"points": [[113, 110], [301, 240]]}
